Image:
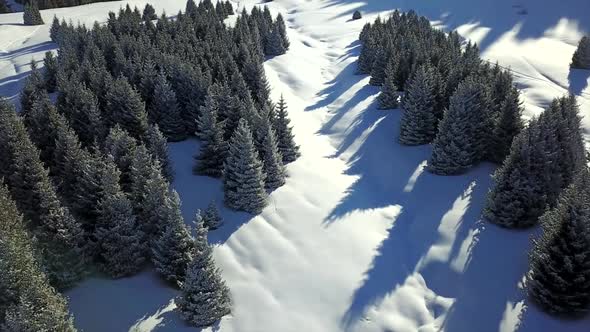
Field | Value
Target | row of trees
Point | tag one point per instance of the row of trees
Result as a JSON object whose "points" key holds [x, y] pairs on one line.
{"points": [[91, 173], [467, 108], [471, 111], [46, 4], [4, 7], [32, 15]]}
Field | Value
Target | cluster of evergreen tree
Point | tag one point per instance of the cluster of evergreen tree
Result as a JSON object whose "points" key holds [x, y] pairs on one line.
{"points": [[581, 57], [4, 7], [46, 4], [543, 160], [27, 301], [468, 109], [32, 15]]}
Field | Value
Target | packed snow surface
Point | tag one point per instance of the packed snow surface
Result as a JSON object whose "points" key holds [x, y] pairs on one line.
{"points": [[360, 238]]}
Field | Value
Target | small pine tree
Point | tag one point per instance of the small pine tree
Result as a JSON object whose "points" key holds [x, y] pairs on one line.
{"points": [[418, 123], [388, 99], [122, 147], [275, 44], [581, 58], [272, 161], [357, 15], [211, 217], [280, 25], [285, 140], [173, 251], [204, 297], [507, 126], [243, 178], [31, 14], [155, 142], [559, 276]]}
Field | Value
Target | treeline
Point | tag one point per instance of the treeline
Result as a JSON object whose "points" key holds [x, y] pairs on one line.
{"points": [[91, 174], [470, 112], [47, 4], [4, 7]]}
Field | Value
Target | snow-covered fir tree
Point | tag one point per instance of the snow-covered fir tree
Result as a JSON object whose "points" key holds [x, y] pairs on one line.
{"points": [[280, 26], [149, 13], [125, 108], [34, 85], [31, 14], [559, 276], [27, 301], [50, 73], [120, 240], [211, 217], [156, 144], [164, 110], [275, 44], [461, 139], [173, 250], [581, 57], [285, 140], [204, 297], [272, 161], [419, 123], [243, 177], [214, 148], [508, 125], [122, 147], [389, 96]]}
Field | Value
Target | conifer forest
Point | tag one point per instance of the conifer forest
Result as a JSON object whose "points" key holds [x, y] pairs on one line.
{"points": [[286, 165]]}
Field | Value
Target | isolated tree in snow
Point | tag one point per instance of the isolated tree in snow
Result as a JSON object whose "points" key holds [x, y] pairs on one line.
{"points": [[27, 301], [173, 251], [211, 217], [213, 149], [285, 140], [243, 178], [559, 276], [31, 14], [418, 124], [164, 110], [388, 98], [581, 58], [461, 139], [356, 15], [125, 108], [204, 297], [121, 242]]}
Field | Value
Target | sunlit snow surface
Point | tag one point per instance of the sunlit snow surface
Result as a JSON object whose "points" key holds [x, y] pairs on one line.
{"points": [[360, 238]]}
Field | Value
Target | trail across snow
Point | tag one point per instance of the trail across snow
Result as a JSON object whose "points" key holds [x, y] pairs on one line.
{"points": [[360, 238]]}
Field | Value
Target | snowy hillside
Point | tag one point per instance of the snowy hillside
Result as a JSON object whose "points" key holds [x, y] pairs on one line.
{"points": [[360, 238]]}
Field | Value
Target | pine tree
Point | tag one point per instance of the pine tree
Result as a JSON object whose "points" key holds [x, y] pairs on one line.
{"points": [[204, 297], [243, 177], [173, 251], [388, 98], [33, 89], [125, 108], [280, 25], [507, 126], [256, 80], [272, 161], [38, 119], [4, 8], [275, 44], [51, 69], [149, 13], [31, 14], [164, 110], [211, 217], [419, 124], [518, 196], [461, 139], [122, 147], [155, 142], [60, 236], [213, 149], [581, 58], [120, 241], [285, 140], [559, 276], [27, 301]]}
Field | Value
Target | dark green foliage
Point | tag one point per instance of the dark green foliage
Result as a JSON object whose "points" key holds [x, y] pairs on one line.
{"points": [[27, 301], [46, 4], [285, 140], [51, 69], [213, 150], [122, 147], [419, 123], [356, 15], [149, 13], [33, 89], [4, 7], [155, 142], [581, 58], [164, 110], [559, 276], [31, 14], [211, 217], [508, 124], [125, 108]]}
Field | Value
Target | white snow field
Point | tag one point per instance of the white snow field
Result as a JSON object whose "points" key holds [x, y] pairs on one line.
{"points": [[360, 238]]}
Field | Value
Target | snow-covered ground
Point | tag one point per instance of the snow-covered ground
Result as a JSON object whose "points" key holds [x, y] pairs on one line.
{"points": [[360, 238]]}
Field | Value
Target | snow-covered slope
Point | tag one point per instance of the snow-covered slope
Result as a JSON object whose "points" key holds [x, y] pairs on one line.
{"points": [[360, 238]]}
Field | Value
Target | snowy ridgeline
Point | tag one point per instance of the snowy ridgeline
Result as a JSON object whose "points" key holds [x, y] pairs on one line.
{"points": [[347, 243]]}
